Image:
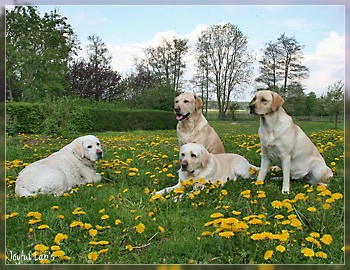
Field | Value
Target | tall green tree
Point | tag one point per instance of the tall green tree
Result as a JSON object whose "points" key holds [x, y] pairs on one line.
{"points": [[281, 65], [225, 58], [38, 50], [335, 99]]}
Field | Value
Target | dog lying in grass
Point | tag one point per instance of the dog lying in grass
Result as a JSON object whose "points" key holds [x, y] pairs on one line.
{"points": [[197, 163], [73, 165]]}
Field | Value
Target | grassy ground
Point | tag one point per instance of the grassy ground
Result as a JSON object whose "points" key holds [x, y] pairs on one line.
{"points": [[119, 221]]}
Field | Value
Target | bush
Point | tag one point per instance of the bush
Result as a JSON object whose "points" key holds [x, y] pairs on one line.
{"points": [[67, 116]]}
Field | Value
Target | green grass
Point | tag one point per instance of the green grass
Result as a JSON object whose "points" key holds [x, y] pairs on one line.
{"points": [[139, 162]]}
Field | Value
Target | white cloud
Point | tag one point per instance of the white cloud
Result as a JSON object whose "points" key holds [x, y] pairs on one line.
{"points": [[326, 63]]}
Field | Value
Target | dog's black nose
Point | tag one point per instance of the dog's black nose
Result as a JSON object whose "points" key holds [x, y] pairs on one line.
{"points": [[99, 153], [252, 108], [177, 109], [184, 165]]}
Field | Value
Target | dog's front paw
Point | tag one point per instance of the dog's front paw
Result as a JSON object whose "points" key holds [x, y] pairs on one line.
{"points": [[285, 190]]}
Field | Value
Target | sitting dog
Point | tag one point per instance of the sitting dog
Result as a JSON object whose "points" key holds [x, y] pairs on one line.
{"points": [[73, 165], [285, 144], [192, 125], [197, 163]]}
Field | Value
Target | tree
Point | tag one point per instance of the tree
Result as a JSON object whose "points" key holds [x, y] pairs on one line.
{"points": [[281, 65], [223, 51], [38, 51], [335, 99]]}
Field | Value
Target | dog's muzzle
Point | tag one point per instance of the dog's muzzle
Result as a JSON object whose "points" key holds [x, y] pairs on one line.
{"points": [[99, 153]]}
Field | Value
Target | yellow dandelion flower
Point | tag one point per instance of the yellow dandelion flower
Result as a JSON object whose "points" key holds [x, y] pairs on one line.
{"points": [[43, 227], [281, 248], [315, 234], [60, 237], [104, 217], [103, 243], [268, 254], [279, 217], [308, 252], [236, 213], [321, 254], [312, 209], [92, 232], [216, 215], [206, 233], [224, 192], [117, 222], [76, 224], [296, 223], [259, 182], [60, 217], [58, 253], [140, 228], [337, 196], [40, 248], [326, 206], [277, 204], [87, 226], [34, 221], [129, 247], [36, 215], [161, 229], [93, 256], [326, 239], [226, 234], [54, 248], [44, 261], [255, 221]]}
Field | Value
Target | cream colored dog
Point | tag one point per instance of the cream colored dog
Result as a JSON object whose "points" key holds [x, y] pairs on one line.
{"points": [[192, 125], [285, 144], [73, 165], [197, 163]]}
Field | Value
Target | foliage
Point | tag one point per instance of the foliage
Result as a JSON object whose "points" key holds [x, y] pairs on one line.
{"points": [[119, 221], [335, 99], [38, 50], [281, 64], [70, 115], [225, 62]]}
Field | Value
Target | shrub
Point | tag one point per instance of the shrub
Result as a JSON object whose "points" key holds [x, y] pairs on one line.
{"points": [[64, 116]]}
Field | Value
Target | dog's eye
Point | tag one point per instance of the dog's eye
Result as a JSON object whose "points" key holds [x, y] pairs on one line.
{"points": [[176, 101], [89, 146], [254, 98], [263, 100], [193, 155], [98, 144], [186, 101], [182, 154]]}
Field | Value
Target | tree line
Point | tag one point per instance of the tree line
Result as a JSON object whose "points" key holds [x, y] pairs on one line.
{"points": [[42, 63]]}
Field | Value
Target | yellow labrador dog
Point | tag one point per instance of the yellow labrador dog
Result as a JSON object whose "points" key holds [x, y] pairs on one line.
{"points": [[197, 163], [285, 144], [73, 165], [192, 125]]}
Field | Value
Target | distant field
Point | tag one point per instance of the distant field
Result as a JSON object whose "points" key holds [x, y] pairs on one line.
{"points": [[120, 221]]}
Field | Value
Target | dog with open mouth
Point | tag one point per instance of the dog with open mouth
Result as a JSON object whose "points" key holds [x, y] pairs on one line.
{"points": [[192, 126]]}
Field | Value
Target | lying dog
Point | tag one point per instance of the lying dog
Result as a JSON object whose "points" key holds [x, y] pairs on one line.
{"points": [[192, 125], [285, 144], [197, 163], [73, 165]]}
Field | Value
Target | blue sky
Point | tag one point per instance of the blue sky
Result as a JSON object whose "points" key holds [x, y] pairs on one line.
{"points": [[128, 29]]}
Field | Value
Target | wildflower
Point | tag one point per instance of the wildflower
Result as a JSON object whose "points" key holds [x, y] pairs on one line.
{"points": [[43, 227], [58, 253], [34, 221], [311, 209], [206, 233], [216, 215], [92, 232], [92, 256], [129, 247], [308, 252], [60, 237], [54, 248], [277, 204], [40, 248], [44, 261], [76, 224], [226, 234], [326, 206], [103, 243], [161, 229], [104, 217], [140, 228], [87, 226], [321, 254], [279, 216], [326, 239], [337, 196], [255, 221], [236, 213], [281, 248], [117, 222], [296, 223], [315, 234], [36, 215], [60, 217], [268, 254]]}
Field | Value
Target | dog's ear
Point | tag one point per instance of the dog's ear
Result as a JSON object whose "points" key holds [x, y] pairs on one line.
{"points": [[277, 101], [198, 102], [204, 157], [78, 147]]}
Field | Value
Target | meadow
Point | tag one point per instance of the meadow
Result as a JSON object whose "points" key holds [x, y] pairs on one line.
{"points": [[120, 221]]}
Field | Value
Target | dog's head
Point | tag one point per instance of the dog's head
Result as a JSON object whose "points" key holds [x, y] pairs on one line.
{"points": [[265, 102], [88, 147], [185, 104], [193, 157]]}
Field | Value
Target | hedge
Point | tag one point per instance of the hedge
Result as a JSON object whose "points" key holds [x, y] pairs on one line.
{"points": [[46, 118]]}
